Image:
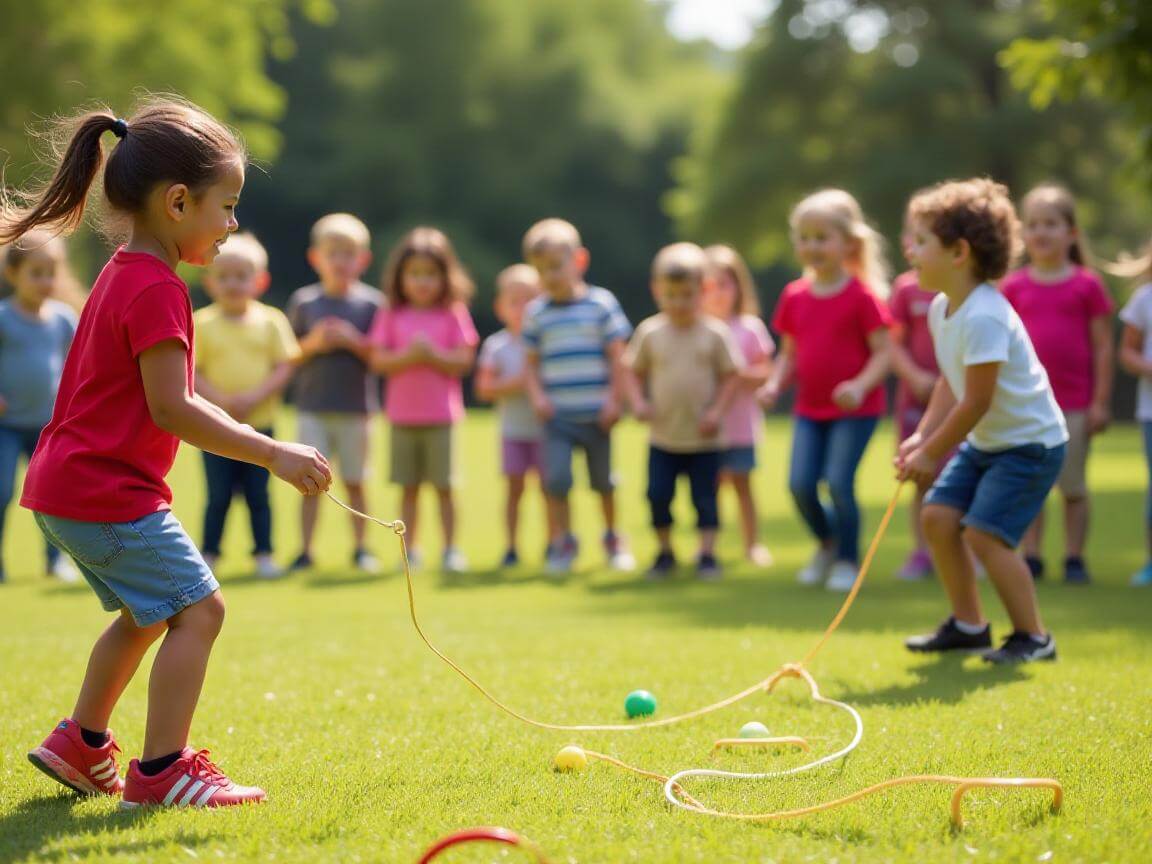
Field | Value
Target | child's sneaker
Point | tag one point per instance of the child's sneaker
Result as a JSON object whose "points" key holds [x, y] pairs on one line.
{"points": [[917, 567], [69, 761], [662, 567], [708, 568], [454, 561], [758, 555], [191, 781], [267, 568], [1140, 579], [816, 570], [1022, 647], [1035, 567], [365, 562], [949, 637], [619, 558], [511, 559], [303, 561], [63, 570], [561, 555], [842, 577], [1075, 573]]}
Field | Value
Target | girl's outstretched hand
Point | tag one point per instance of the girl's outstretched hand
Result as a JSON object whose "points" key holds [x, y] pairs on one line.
{"points": [[302, 466]]}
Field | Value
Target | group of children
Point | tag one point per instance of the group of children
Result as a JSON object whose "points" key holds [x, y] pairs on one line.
{"points": [[982, 429]]}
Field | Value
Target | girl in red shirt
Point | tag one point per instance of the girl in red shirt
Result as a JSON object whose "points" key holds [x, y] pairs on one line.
{"points": [[126, 400], [834, 342]]}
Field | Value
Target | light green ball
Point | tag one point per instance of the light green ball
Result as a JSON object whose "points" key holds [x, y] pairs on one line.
{"points": [[754, 729]]}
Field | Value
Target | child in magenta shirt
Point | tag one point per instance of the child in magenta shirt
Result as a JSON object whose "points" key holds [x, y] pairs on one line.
{"points": [[126, 400], [425, 342], [834, 341], [1068, 315], [730, 295]]}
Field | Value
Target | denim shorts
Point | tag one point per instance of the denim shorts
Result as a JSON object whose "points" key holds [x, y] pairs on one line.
{"points": [[149, 566], [999, 493], [738, 460], [561, 438]]}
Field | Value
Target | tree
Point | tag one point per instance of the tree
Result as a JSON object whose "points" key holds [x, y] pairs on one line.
{"points": [[883, 99], [1103, 51]]}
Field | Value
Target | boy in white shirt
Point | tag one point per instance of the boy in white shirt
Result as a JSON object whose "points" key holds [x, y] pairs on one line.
{"points": [[993, 395]]}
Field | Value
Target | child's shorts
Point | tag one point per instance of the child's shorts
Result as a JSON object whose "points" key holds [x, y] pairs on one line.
{"points": [[738, 460], [149, 566], [561, 437], [518, 457], [999, 493], [423, 454], [342, 436]]}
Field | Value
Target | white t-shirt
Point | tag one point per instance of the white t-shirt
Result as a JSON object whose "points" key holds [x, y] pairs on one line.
{"points": [[986, 329], [1137, 313]]}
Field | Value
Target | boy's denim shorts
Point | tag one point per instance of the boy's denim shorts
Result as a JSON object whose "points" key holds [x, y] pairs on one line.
{"points": [[561, 438], [149, 566], [999, 493]]}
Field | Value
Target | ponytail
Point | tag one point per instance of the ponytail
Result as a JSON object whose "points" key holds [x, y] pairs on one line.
{"points": [[167, 139]]}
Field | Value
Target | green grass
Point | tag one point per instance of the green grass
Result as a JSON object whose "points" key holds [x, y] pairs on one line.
{"points": [[371, 748]]}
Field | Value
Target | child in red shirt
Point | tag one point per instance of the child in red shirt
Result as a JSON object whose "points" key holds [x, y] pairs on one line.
{"points": [[834, 341], [126, 400], [1068, 315]]}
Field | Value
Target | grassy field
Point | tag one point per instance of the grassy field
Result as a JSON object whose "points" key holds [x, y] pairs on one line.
{"points": [[370, 747]]}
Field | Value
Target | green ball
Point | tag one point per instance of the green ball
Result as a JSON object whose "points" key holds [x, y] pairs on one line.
{"points": [[754, 729], [640, 703]]}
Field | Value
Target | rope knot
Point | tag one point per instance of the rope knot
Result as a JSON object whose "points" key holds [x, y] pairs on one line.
{"points": [[399, 527]]}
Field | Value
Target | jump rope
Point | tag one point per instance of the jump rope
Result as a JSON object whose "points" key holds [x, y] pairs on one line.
{"points": [[674, 790]]}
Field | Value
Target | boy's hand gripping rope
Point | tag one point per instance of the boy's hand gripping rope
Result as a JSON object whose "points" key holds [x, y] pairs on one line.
{"points": [[674, 791]]}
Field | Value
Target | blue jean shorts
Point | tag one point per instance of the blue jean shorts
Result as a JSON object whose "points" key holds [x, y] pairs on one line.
{"points": [[738, 460], [149, 566], [999, 493], [561, 438]]}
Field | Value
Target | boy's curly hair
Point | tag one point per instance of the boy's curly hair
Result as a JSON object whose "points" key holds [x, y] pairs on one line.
{"points": [[978, 211]]}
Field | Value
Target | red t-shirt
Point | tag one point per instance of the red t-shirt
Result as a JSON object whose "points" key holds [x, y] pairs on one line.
{"points": [[101, 458], [831, 339], [909, 306], [1058, 317]]}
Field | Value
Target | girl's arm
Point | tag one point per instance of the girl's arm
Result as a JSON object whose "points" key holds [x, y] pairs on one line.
{"points": [[754, 375], [387, 362], [163, 371], [489, 386], [1103, 372], [456, 362], [1132, 352], [907, 370], [936, 436], [851, 394], [781, 373]]}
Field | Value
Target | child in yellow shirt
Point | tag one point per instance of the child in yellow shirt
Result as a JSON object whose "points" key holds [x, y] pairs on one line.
{"points": [[245, 353]]}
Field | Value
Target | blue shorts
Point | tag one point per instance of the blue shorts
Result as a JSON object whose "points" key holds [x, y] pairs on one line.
{"points": [[999, 493], [561, 438], [149, 566], [738, 460]]}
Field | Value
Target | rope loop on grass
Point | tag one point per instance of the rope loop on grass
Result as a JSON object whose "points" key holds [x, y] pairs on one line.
{"points": [[674, 791]]}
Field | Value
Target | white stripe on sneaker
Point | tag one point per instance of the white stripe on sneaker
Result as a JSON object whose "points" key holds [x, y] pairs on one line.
{"points": [[190, 794], [176, 787], [110, 771], [102, 765], [205, 797], [111, 781]]}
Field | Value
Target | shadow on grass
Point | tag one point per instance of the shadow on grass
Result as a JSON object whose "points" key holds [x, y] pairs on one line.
{"points": [[37, 822], [942, 678]]}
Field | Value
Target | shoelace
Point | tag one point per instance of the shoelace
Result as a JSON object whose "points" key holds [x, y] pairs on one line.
{"points": [[206, 769]]}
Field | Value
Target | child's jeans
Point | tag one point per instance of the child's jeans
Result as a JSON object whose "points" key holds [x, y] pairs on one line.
{"points": [[1146, 428], [15, 443], [225, 478], [830, 450], [702, 469]]}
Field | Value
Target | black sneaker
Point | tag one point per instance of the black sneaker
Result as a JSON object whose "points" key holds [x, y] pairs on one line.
{"points": [[1075, 573], [662, 567], [510, 559], [1035, 567], [303, 561], [949, 637], [1023, 648], [707, 568]]}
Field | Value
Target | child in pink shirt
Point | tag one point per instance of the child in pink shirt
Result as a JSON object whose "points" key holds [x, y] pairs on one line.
{"points": [[834, 341], [730, 295], [914, 362], [1068, 314], [425, 342]]}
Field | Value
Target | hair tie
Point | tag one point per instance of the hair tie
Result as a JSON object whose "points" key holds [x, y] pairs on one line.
{"points": [[120, 128]]}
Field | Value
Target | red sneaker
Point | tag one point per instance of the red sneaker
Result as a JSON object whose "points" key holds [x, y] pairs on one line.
{"points": [[68, 760], [191, 781]]}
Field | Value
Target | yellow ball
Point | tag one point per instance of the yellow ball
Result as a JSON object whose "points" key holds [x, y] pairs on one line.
{"points": [[571, 758]]}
